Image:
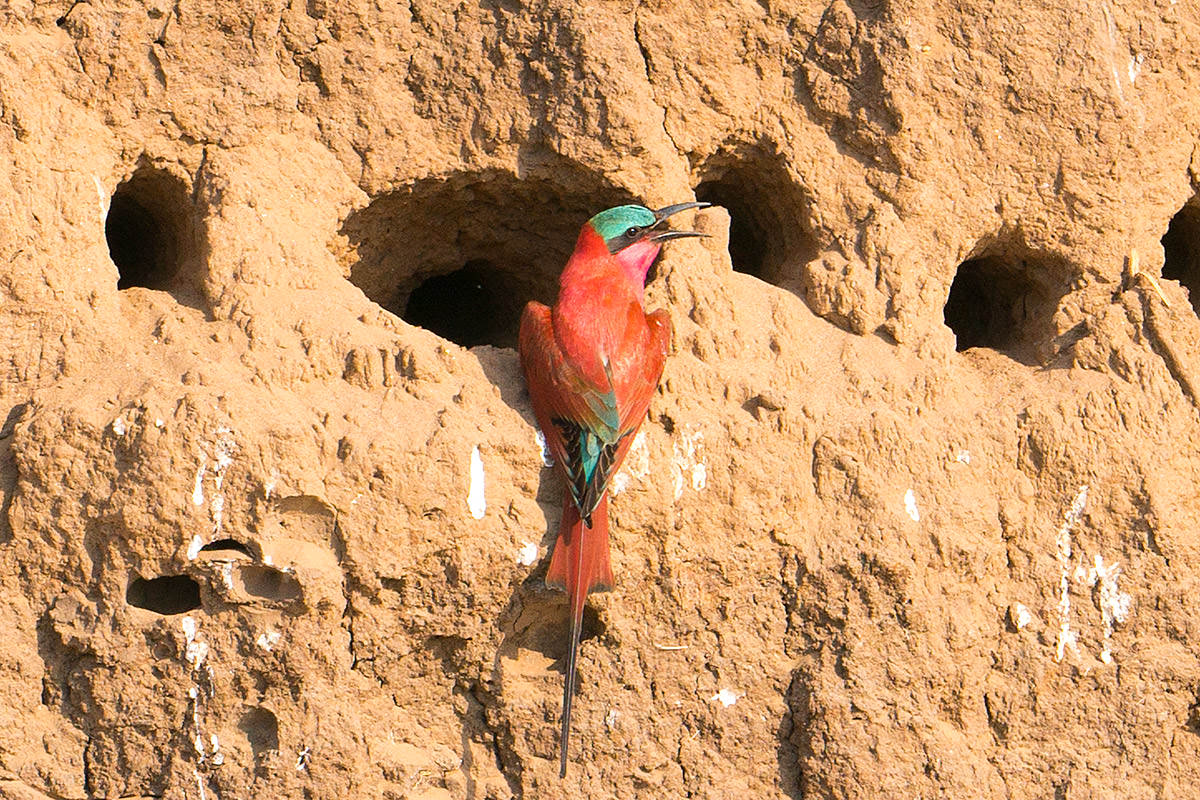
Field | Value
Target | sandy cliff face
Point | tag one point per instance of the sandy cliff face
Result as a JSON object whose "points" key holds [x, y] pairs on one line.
{"points": [[914, 513]]}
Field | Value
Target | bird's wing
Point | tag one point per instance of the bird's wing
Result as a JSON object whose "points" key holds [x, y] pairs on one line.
{"points": [[637, 382], [580, 420]]}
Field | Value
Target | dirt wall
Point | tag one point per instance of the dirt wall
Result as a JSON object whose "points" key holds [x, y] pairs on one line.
{"points": [[914, 513]]}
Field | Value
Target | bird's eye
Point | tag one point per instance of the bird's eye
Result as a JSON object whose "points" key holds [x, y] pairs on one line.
{"points": [[632, 232]]}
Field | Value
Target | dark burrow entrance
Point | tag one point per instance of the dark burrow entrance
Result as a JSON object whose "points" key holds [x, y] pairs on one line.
{"points": [[1181, 250], [1006, 302], [153, 234], [461, 256], [770, 236], [169, 594], [476, 304]]}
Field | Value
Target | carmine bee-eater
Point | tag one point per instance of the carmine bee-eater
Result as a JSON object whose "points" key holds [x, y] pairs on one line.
{"points": [[592, 363]]}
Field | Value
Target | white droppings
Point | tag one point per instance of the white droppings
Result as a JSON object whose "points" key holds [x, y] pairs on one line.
{"points": [[197, 738], [1067, 638], [199, 783], [1114, 604], [725, 697], [476, 503], [610, 719], [195, 650], [198, 482], [636, 466], [688, 460], [218, 758], [269, 486], [224, 448], [963, 457], [268, 640], [103, 195], [302, 758], [1074, 514], [194, 547], [544, 449], [158, 422], [119, 426], [528, 554], [227, 575], [1021, 616], [910, 506], [1135, 66], [218, 512]]}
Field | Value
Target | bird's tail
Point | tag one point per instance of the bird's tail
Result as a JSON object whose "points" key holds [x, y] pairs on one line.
{"points": [[580, 565]]}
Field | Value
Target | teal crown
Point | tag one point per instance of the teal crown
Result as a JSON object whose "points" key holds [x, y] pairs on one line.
{"points": [[623, 225]]}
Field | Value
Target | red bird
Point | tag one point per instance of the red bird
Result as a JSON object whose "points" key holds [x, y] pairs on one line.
{"points": [[592, 363]]}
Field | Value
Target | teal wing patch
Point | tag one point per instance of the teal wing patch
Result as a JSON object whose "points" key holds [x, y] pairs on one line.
{"points": [[589, 464], [604, 406]]}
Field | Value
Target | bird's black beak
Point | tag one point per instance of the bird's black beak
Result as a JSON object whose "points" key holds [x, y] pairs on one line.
{"points": [[660, 216], [669, 211]]}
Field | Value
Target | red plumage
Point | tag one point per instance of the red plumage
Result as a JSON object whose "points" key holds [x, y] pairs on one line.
{"points": [[592, 363]]}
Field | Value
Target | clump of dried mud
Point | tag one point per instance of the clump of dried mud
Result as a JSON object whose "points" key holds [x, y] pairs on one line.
{"points": [[915, 510]]}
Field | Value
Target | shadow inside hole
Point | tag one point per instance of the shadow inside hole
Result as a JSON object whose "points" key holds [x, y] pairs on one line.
{"points": [[478, 304], [747, 239], [143, 251], [539, 626], [269, 583], [261, 728], [770, 234], [460, 256], [169, 594], [153, 234], [1181, 251], [1005, 304], [223, 547]]}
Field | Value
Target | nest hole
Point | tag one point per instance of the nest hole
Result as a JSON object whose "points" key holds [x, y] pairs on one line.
{"points": [[1181, 251], [261, 729], [477, 304], [225, 549], [1006, 303], [166, 595], [542, 627], [461, 256], [770, 235], [152, 231], [269, 583]]}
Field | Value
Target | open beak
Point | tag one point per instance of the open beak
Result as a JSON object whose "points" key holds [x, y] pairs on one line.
{"points": [[661, 215]]}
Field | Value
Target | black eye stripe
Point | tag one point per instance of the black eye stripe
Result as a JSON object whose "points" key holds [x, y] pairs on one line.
{"points": [[631, 235]]}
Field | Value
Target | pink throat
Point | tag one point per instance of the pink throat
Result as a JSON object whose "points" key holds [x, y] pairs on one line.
{"points": [[636, 259]]}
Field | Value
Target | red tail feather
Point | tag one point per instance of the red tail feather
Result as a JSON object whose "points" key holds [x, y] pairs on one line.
{"points": [[580, 557], [580, 565]]}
